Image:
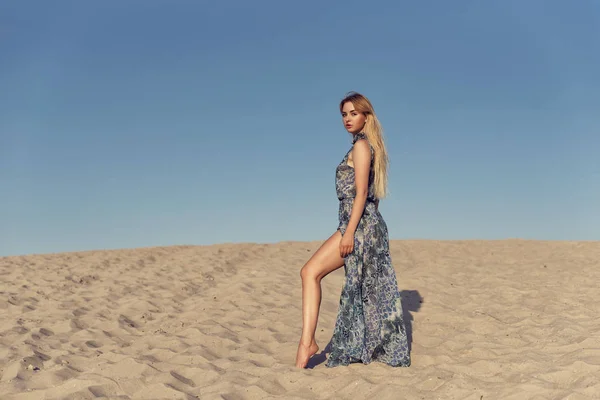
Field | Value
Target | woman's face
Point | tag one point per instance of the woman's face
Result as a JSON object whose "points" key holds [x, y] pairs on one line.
{"points": [[353, 120]]}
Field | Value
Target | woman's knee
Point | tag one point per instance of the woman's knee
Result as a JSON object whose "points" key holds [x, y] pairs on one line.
{"points": [[309, 272]]}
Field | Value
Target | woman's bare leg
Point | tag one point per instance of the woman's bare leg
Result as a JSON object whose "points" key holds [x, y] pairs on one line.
{"points": [[325, 260]]}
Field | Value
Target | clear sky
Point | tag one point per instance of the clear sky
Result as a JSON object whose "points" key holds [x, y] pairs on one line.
{"points": [[143, 122]]}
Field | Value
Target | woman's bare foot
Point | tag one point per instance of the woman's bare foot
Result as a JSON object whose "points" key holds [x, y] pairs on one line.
{"points": [[305, 353]]}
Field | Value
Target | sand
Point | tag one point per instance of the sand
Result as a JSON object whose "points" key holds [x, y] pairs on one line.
{"points": [[510, 319]]}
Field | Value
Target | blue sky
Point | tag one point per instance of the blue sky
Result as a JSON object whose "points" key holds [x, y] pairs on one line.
{"points": [[141, 123]]}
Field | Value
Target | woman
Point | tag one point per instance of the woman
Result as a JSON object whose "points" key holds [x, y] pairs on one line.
{"points": [[369, 325]]}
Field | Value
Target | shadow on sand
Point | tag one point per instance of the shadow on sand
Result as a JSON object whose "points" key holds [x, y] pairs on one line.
{"points": [[411, 302]]}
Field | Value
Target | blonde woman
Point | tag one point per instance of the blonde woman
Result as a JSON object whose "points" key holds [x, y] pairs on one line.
{"points": [[369, 325]]}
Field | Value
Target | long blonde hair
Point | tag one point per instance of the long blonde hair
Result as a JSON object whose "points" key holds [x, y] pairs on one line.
{"points": [[374, 133]]}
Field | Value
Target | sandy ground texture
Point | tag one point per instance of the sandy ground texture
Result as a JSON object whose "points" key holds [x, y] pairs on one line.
{"points": [[509, 319]]}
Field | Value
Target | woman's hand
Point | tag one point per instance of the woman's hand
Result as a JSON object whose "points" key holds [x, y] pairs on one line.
{"points": [[346, 244]]}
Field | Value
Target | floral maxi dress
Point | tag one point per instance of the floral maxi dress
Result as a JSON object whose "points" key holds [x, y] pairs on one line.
{"points": [[369, 325]]}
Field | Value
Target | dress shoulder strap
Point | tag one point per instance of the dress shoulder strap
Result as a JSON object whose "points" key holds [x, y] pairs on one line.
{"points": [[360, 136]]}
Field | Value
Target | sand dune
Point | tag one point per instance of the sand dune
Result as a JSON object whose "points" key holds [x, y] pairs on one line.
{"points": [[508, 319]]}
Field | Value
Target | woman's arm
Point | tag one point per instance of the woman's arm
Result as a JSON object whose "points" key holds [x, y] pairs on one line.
{"points": [[361, 158]]}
